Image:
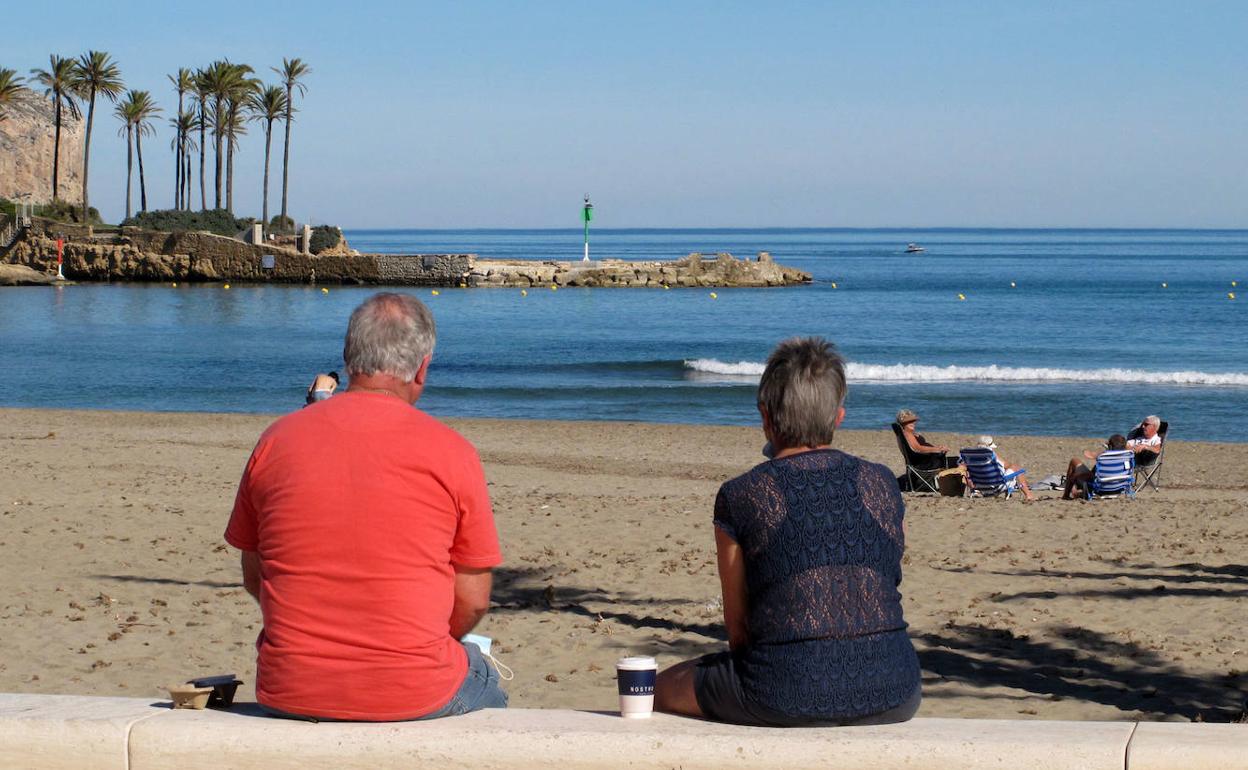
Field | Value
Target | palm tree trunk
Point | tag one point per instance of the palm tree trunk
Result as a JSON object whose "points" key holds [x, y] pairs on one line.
{"points": [[286, 158], [218, 135], [268, 141], [177, 172], [187, 176], [203, 150], [129, 165], [138, 148], [229, 175], [86, 160], [56, 149], [177, 153]]}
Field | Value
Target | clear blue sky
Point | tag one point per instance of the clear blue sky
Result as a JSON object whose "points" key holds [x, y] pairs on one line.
{"points": [[707, 113]]}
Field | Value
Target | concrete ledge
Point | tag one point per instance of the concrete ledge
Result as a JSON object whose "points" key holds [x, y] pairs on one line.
{"points": [[1179, 746], [68, 732], [50, 731]]}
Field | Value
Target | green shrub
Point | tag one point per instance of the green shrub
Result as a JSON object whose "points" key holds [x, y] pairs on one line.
{"points": [[324, 237], [281, 224], [218, 221], [58, 210]]}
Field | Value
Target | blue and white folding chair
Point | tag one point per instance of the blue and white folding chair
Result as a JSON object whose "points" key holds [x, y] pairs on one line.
{"points": [[1114, 475], [986, 474]]}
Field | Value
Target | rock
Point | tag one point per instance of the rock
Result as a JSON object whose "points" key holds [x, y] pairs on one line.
{"points": [[20, 275], [26, 144]]}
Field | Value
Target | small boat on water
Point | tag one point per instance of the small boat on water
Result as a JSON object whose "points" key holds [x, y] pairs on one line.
{"points": [[914, 248]]}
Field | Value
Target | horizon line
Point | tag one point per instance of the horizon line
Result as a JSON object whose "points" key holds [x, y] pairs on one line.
{"points": [[803, 228]]}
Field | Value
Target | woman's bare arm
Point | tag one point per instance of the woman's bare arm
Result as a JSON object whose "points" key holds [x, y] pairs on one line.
{"points": [[732, 582]]}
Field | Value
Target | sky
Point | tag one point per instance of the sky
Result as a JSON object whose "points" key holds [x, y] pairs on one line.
{"points": [[704, 114]]}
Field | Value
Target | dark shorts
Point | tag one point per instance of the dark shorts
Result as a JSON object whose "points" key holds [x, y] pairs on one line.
{"points": [[717, 686]]}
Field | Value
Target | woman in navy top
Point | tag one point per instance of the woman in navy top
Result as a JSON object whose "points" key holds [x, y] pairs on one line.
{"points": [[809, 546]]}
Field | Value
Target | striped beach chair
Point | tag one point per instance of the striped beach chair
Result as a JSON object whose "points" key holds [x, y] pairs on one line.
{"points": [[986, 474], [1114, 475]]}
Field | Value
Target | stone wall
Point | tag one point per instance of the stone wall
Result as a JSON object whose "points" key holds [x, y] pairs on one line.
{"points": [[423, 269], [26, 144]]}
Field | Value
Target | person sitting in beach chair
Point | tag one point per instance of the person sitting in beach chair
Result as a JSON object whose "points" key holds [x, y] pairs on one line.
{"points": [[809, 546], [1078, 474], [990, 474], [923, 460], [1148, 441], [1113, 475]]}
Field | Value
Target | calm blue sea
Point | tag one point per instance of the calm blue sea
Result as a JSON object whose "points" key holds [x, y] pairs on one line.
{"points": [[1060, 332]]}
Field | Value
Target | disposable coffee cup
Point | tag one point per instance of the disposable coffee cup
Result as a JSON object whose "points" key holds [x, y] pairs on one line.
{"points": [[636, 682]]}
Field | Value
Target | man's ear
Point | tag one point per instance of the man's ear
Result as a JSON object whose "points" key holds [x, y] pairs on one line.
{"points": [[423, 371], [840, 415]]}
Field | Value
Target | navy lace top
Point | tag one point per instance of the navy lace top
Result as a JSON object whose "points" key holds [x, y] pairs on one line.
{"points": [[821, 537]]}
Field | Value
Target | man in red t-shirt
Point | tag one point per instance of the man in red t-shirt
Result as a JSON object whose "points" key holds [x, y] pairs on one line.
{"points": [[368, 539]]}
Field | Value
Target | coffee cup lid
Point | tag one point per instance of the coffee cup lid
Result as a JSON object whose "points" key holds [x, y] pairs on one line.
{"points": [[641, 663]]}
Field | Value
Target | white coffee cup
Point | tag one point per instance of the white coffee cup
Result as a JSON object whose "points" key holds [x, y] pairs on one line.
{"points": [[636, 685]]}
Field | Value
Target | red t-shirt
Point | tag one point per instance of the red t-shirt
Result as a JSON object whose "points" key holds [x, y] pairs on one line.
{"points": [[358, 507]]}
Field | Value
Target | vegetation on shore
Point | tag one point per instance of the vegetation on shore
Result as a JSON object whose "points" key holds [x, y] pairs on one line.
{"points": [[216, 101], [58, 210], [217, 221]]}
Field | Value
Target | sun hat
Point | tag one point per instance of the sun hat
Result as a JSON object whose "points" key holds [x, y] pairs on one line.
{"points": [[987, 443], [905, 416]]}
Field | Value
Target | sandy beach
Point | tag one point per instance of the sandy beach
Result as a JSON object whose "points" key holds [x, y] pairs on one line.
{"points": [[117, 580]]}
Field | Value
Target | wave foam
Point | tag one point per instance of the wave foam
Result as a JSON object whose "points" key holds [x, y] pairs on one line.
{"points": [[902, 373]]}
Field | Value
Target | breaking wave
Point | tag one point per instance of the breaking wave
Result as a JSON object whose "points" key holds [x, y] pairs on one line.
{"points": [[903, 373]]}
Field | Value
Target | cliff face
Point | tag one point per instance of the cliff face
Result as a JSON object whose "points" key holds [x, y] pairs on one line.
{"points": [[26, 143]]}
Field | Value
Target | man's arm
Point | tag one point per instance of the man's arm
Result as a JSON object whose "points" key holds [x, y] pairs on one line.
{"points": [[251, 573], [472, 598], [732, 582]]}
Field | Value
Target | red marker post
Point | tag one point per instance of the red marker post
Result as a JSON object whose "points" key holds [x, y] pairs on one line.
{"points": [[60, 258]]}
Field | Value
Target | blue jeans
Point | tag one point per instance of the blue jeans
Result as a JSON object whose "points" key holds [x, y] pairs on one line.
{"points": [[480, 690]]}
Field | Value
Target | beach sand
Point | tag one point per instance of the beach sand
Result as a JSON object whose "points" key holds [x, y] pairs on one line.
{"points": [[117, 581]]}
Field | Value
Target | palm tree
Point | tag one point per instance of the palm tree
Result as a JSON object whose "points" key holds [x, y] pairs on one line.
{"points": [[240, 89], [291, 72], [144, 110], [136, 111], [182, 82], [267, 106], [183, 144], [125, 113], [216, 81], [10, 87], [58, 83], [95, 73], [203, 91]]}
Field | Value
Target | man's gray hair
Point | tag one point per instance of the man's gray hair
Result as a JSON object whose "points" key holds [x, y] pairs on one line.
{"points": [[802, 388], [1152, 419], [389, 334]]}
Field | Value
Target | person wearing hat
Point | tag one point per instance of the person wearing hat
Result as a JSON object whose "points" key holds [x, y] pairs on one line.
{"points": [[931, 457], [986, 442]]}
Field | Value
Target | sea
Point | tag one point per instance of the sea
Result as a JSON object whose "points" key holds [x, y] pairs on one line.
{"points": [[1043, 332]]}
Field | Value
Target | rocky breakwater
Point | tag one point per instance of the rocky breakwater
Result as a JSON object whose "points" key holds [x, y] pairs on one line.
{"points": [[720, 270], [146, 255]]}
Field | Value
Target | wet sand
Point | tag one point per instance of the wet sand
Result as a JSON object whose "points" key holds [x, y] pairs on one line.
{"points": [[117, 580]]}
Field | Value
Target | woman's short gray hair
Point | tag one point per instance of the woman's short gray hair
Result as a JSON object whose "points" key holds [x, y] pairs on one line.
{"points": [[802, 389], [389, 334]]}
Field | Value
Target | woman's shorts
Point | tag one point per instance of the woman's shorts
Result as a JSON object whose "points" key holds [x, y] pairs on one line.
{"points": [[717, 686]]}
